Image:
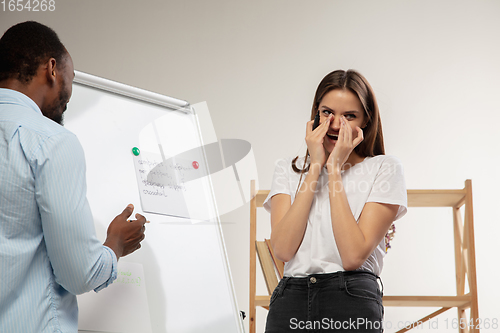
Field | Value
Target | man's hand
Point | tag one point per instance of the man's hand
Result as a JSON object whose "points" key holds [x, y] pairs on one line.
{"points": [[125, 236]]}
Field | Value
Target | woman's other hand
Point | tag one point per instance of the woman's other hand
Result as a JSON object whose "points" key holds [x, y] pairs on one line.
{"points": [[344, 146]]}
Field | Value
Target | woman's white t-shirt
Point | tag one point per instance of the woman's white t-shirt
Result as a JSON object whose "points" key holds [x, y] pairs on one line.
{"points": [[376, 179]]}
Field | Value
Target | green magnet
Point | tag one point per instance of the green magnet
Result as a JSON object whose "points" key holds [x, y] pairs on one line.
{"points": [[136, 151]]}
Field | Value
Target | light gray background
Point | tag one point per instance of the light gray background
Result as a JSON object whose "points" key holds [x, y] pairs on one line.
{"points": [[433, 64]]}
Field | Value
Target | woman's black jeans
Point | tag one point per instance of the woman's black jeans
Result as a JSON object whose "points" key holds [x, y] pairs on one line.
{"points": [[342, 301]]}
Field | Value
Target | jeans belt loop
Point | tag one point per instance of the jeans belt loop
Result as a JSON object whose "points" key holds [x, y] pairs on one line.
{"points": [[341, 280], [284, 280]]}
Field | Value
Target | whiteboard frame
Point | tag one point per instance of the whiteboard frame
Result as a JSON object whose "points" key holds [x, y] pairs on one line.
{"points": [[174, 104], [129, 91]]}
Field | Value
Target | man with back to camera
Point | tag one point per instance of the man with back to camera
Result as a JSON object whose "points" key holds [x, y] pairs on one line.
{"points": [[48, 248]]}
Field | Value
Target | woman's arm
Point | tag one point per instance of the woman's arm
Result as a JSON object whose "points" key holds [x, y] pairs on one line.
{"points": [[355, 241], [289, 221]]}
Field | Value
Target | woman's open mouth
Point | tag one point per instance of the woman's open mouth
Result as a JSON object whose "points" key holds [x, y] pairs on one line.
{"points": [[333, 137]]}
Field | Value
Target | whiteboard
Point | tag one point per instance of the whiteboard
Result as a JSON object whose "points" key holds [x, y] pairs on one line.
{"points": [[184, 269]]}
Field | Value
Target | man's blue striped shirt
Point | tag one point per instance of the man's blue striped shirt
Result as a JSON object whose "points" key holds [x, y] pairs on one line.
{"points": [[48, 248]]}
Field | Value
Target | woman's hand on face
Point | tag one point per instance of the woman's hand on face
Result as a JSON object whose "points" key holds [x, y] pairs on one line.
{"points": [[344, 146], [314, 141]]}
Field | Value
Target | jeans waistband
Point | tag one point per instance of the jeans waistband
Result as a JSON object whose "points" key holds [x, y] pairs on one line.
{"points": [[319, 279]]}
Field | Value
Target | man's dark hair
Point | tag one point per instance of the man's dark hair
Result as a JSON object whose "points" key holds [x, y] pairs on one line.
{"points": [[24, 47]]}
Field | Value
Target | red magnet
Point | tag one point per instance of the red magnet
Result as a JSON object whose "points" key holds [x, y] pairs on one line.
{"points": [[196, 165]]}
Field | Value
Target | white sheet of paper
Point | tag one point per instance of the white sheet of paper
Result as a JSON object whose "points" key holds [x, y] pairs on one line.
{"points": [[121, 307], [170, 168], [159, 188]]}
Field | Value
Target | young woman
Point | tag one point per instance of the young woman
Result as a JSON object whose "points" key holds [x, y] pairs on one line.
{"points": [[331, 212]]}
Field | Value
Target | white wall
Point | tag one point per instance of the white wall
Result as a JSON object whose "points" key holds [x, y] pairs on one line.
{"points": [[433, 64]]}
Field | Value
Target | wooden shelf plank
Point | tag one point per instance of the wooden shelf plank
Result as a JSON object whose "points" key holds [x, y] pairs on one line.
{"points": [[262, 300], [435, 198], [427, 301]]}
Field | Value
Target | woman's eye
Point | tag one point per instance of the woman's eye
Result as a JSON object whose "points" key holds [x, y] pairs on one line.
{"points": [[326, 112], [350, 116]]}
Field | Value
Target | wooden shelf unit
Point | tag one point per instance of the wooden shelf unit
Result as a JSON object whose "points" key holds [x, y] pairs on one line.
{"points": [[465, 262]]}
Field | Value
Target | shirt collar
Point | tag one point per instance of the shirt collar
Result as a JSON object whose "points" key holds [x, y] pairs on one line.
{"points": [[10, 96]]}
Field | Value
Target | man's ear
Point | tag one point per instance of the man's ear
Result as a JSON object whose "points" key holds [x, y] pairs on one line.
{"points": [[50, 71]]}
